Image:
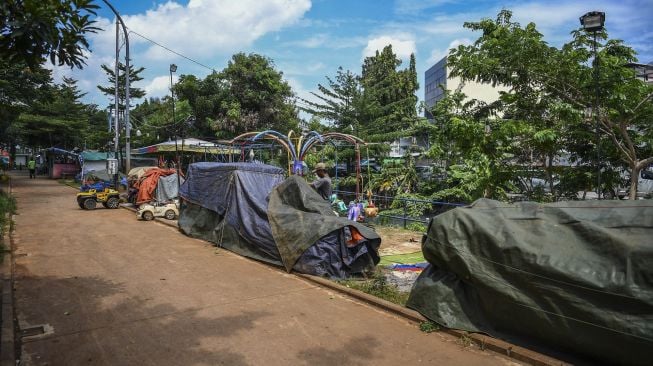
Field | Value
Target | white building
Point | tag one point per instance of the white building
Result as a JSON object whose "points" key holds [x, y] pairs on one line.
{"points": [[438, 77]]}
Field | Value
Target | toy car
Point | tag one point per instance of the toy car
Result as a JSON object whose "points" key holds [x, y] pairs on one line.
{"points": [[151, 210], [88, 198]]}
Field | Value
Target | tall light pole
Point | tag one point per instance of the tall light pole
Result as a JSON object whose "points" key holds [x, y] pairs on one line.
{"points": [[594, 22], [127, 86], [173, 68]]}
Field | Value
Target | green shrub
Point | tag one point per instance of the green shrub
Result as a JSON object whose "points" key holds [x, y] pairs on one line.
{"points": [[378, 286]]}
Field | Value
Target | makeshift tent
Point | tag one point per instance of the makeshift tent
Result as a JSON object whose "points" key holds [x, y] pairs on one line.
{"points": [[61, 162], [151, 186], [93, 160], [249, 209], [137, 173], [574, 276]]}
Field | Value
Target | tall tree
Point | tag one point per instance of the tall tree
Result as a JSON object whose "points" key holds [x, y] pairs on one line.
{"points": [[551, 87], [390, 92], [248, 95], [109, 90], [20, 87], [57, 120], [340, 101], [33, 30]]}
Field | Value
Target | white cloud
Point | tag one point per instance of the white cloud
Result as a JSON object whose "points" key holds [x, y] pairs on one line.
{"points": [[402, 45], [202, 30], [411, 7], [204, 27], [438, 54], [159, 86], [311, 42]]}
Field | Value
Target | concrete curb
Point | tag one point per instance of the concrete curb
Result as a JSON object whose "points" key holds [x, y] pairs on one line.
{"points": [[7, 335]]}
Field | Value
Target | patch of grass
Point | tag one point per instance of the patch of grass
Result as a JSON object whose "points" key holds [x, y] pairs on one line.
{"points": [[7, 207], [429, 327], [416, 226], [408, 258], [376, 285], [466, 341]]}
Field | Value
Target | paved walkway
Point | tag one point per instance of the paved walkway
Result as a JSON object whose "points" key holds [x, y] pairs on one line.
{"points": [[111, 290]]}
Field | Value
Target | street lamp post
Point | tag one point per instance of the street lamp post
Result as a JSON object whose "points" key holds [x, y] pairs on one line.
{"points": [[594, 22], [173, 68], [127, 86]]}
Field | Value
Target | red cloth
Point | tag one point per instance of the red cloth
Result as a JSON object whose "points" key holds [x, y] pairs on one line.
{"points": [[147, 184]]}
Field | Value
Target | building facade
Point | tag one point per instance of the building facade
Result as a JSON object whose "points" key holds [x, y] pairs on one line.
{"points": [[438, 78]]}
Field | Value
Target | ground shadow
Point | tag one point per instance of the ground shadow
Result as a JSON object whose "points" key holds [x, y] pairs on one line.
{"points": [[96, 324], [356, 351]]}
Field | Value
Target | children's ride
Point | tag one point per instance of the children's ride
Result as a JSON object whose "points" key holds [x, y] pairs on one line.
{"points": [[88, 198]]}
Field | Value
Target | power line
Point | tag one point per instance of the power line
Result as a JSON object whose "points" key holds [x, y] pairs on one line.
{"points": [[170, 50]]}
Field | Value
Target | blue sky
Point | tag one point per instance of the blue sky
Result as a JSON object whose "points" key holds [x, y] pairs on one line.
{"points": [[310, 39]]}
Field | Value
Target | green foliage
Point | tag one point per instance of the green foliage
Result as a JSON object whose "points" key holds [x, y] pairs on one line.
{"points": [[429, 327], [21, 87], [110, 91], [33, 30], [56, 119], [248, 95], [340, 101], [549, 95], [7, 207], [389, 93], [378, 286], [413, 208], [416, 226]]}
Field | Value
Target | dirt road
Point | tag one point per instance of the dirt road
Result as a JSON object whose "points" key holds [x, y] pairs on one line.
{"points": [[111, 290]]}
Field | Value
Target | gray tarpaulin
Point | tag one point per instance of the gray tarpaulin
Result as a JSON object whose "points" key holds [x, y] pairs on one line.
{"points": [[166, 188], [310, 236], [233, 205], [574, 276]]}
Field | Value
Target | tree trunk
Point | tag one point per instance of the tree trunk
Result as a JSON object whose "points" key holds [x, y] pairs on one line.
{"points": [[548, 161], [634, 174]]}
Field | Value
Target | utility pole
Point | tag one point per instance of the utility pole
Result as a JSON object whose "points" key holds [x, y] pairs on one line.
{"points": [[127, 86], [116, 119]]}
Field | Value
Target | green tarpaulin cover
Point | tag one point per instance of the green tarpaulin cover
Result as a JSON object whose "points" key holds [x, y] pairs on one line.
{"points": [[573, 276]]}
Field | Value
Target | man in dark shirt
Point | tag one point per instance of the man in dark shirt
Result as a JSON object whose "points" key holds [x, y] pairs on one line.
{"points": [[323, 183]]}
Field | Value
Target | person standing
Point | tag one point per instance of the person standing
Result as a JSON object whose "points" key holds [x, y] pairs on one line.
{"points": [[323, 183], [31, 166]]}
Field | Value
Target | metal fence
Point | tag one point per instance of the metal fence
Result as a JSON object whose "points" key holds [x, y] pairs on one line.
{"points": [[385, 203]]}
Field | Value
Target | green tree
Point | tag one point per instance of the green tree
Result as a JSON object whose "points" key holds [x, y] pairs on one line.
{"points": [[20, 87], [32, 30], [153, 118], [389, 92], [205, 96], [57, 120], [477, 148], [97, 135], [248, 95], [551, 88], [340, 101], [258, 98], [109, 90]]}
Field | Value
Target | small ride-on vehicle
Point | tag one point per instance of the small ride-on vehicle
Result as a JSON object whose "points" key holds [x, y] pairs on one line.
{"points": [[90, 195], [148, 211]]}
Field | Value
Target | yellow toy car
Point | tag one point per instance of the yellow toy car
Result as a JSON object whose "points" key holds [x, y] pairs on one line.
{"points": [[88, 199]]}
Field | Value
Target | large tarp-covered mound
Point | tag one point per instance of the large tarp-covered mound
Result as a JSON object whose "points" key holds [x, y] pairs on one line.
{"points": [[575, 276], [250, 210], [157, 184]]}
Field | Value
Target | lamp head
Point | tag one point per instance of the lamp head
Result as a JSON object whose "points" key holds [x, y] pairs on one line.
{"points": [[593, 21]]}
